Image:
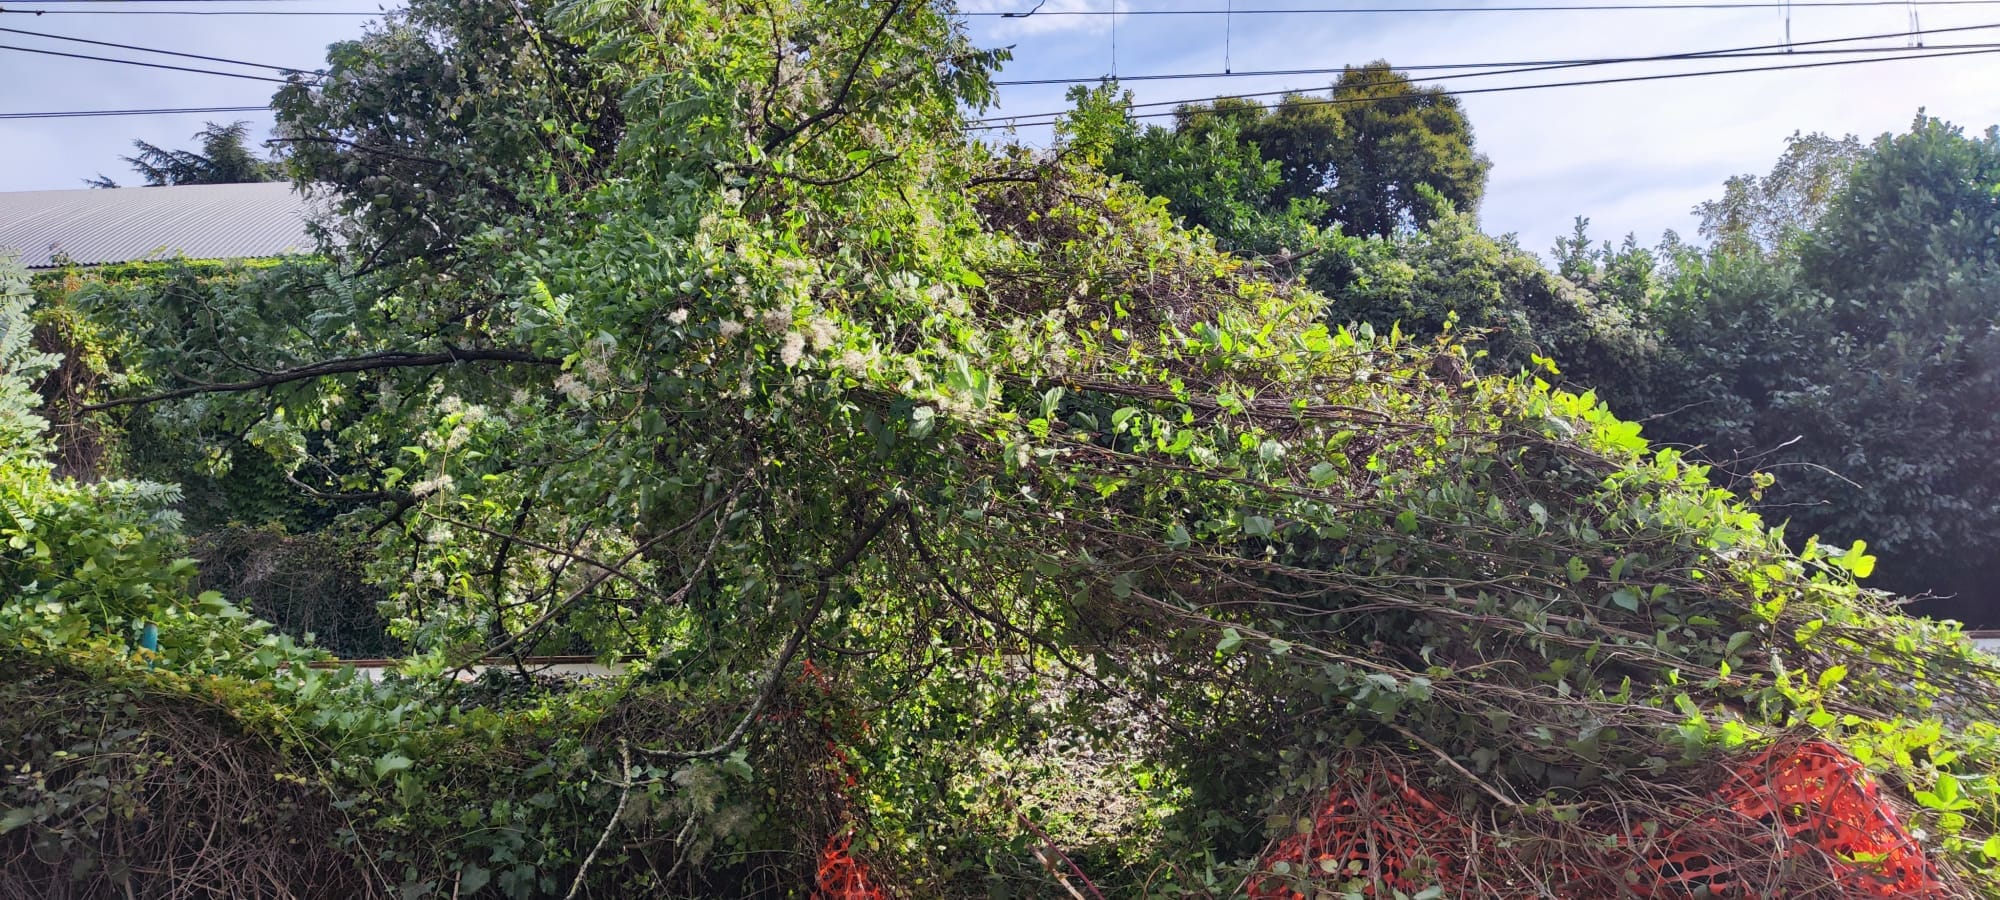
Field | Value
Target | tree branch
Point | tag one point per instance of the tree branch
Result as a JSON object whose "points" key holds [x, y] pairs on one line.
{"points": [[369, 363], [776, 675], [624, 794], [354, 145], [839, 104]]}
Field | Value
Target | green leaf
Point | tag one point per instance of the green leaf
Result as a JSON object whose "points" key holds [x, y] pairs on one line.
{"points": [[1832, 676], [1231, 639], [922, 420], [472, 878], [1257, 526], [16, 817], [1626, 598], [393, 762]]}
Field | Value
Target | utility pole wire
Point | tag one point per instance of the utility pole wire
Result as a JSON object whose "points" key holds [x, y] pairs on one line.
{"points": [[219, 59], [1516, 8], [1051, 118], [149, 65], [94, 113], [1538, 64]]}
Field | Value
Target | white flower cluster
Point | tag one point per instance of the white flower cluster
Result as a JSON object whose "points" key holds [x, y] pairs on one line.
{"points": [[572, 387], [431, 486]]}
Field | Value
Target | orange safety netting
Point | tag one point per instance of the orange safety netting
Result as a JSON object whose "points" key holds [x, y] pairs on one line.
{"points": [[1380, 832], [841, 876], [1819, 799], [1795, 800]]}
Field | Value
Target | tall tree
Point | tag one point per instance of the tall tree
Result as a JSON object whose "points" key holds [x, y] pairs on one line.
{"points": [[225, 158], [1759, 214], [1370, 149], [1398, 137]]}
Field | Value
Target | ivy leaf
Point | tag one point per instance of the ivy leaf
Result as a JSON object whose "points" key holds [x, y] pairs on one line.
{"points": [[1231, 639]]}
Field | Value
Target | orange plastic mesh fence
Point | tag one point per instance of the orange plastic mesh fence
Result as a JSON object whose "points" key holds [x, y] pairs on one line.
{"points": [[1797, 807], [841, 876], [1383, 831]]}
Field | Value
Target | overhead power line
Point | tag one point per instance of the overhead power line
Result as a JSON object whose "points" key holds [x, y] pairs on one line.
{"points": [[149, 65], [1782, 49], [1508, 8], [1038, 119], [219, 59], [124, 2], [93, 113], [192, 12]]}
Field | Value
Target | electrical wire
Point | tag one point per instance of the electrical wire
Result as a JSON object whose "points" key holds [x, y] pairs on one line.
{"points": [[1039, 119], [1536, 65], [93, 113], [1575, 7], [191, 12], [124, 2], [149, 65], [219, 59]]}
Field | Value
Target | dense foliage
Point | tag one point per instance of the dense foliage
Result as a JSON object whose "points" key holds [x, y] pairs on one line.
{"points": [[949, 505], [1862, 366], [1377, 155]]}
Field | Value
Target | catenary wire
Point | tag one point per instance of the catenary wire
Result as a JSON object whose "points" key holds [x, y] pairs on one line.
{"points": [[1508, 8], [149, 65], [1751, 50], [218, 59], [93, 113], [193, 12], [1039, 119], [67, 114]]}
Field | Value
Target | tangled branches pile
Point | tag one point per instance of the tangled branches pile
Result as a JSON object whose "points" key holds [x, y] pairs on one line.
{"points": [[1020, 466], [117, 790]]}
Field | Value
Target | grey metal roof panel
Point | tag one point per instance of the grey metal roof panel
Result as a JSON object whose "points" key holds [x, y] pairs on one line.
{"points": [[205, 221]]}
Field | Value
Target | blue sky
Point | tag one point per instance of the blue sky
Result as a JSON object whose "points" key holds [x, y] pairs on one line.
{"points": [[1632, 157]]}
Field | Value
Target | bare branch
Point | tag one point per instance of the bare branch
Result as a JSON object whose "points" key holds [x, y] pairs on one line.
{"points": [[624, 794]]}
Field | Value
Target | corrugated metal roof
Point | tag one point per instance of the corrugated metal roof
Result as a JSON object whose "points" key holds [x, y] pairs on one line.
{"points": [[203, 221]]}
